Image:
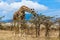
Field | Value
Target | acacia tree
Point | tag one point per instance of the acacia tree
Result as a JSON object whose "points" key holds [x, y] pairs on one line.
{"points": [[42, 19], [58, 21], [47, 22], [38, 21], [35, 20]]}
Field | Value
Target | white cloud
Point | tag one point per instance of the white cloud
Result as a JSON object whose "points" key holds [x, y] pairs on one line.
{"points": [[12, 7], [9, 7]]}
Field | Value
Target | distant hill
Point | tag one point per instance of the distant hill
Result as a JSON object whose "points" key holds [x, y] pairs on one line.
{"points": [[9, 20]]}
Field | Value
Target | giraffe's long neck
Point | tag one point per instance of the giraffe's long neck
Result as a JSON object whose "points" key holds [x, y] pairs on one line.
{"points": [[20, 14]]}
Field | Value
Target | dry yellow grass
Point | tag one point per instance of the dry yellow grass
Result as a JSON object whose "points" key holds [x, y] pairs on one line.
{"points": [[9, 35]]}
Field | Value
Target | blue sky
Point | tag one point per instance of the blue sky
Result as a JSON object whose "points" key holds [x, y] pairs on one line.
{"points": [[46, 7]]}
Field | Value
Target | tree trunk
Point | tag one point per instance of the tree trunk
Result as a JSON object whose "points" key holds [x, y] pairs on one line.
{"points": [[38, 30], [47, 31]]}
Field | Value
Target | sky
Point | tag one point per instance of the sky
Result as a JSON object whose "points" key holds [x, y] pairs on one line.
{"points": [[46, 7]]}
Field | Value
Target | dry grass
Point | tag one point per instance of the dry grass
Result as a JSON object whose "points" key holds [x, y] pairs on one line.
{"points": [[9, 35]]}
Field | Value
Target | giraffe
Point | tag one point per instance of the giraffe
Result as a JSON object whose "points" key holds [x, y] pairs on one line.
{"points": [[20, 15]]}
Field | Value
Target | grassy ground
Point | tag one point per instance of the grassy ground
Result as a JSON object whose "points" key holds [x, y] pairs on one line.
{"points": [[9, 35]]}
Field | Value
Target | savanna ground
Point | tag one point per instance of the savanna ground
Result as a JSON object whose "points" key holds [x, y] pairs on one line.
{"points": [[9, 35]]}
